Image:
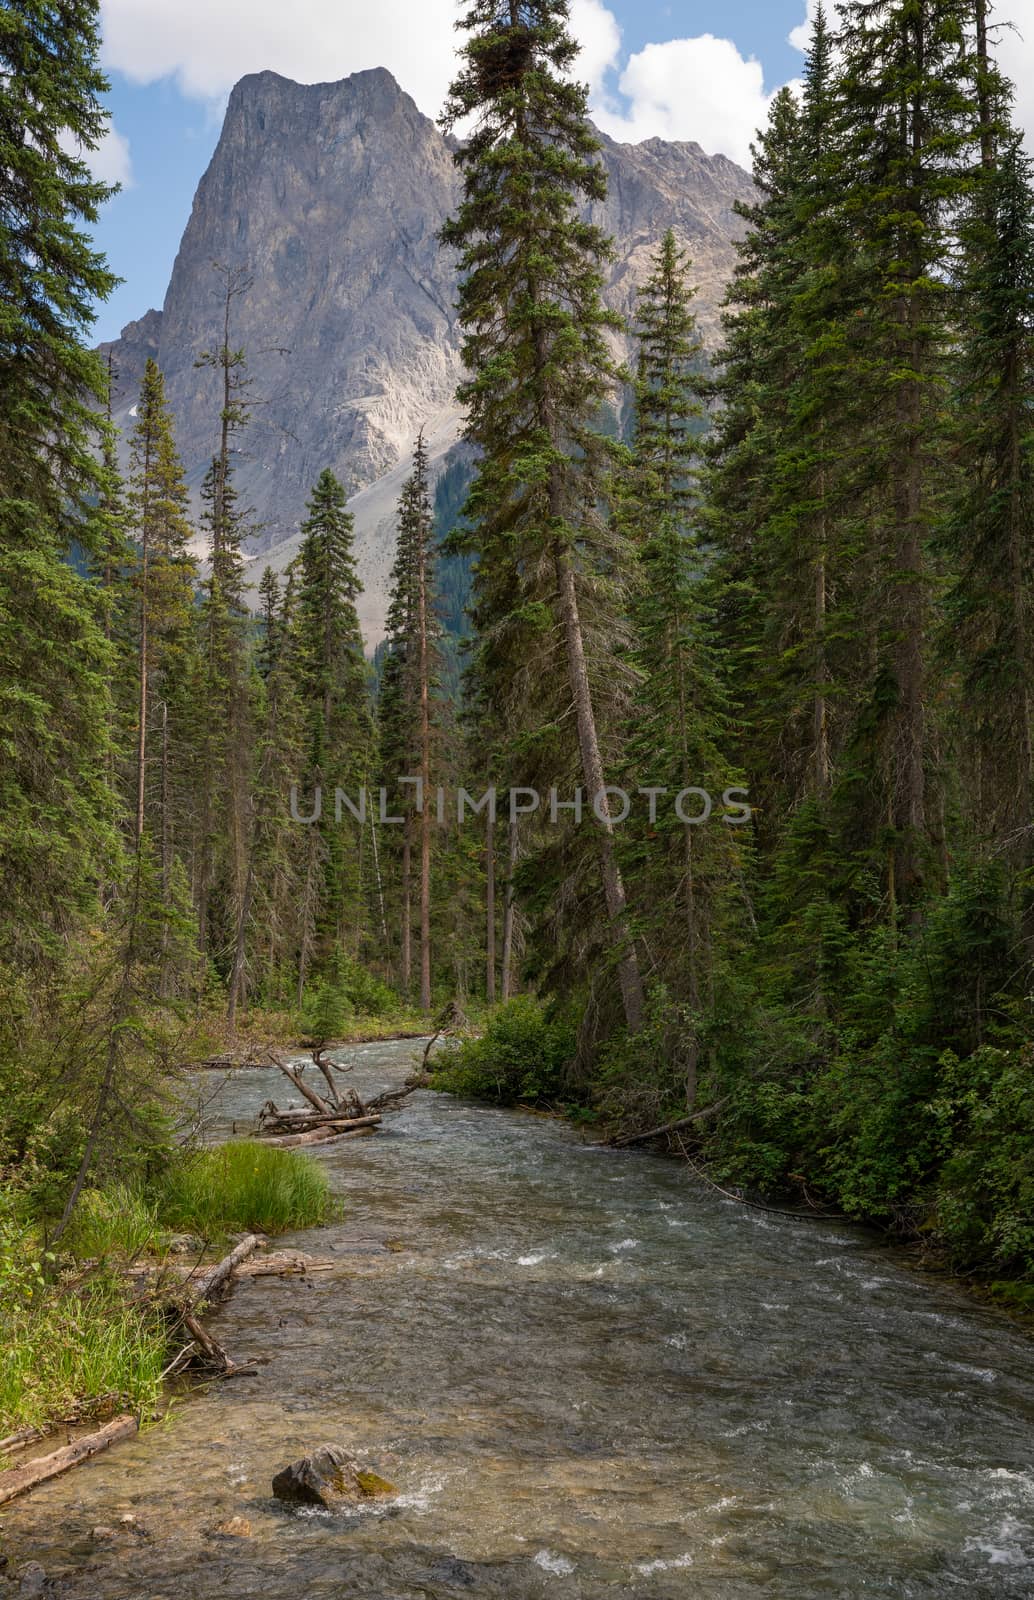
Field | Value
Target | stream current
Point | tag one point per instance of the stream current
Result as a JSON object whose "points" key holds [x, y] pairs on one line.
{"points": [[588, 1377]]}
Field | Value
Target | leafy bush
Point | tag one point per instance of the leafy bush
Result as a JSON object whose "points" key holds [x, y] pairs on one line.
{"points": [[345, 992], [522, 1055], [984, 1198], [244, 1185]]}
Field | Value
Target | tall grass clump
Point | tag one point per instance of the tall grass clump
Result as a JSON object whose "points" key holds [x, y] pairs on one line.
{"points": [[69, 1344], [244, 1185], [119, 1222]]}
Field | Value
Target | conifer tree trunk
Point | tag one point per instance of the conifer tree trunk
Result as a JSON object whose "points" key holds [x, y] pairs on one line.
{"points": [[509, 912], [595, 782], [821, 710], [425, 773], [490, 907], [166, 860], [380, 886], [987, 140], [908, 604], [407, 905], [145, 552]]}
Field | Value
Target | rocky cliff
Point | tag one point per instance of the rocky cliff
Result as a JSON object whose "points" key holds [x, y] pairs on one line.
{"points": [[330, 197]]}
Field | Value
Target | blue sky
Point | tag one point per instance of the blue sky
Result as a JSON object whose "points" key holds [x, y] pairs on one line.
{"points": [[687, 69]]}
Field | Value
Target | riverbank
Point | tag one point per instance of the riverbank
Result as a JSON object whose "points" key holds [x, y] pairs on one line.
{"points": [[588, 1379], [89, 1329]]}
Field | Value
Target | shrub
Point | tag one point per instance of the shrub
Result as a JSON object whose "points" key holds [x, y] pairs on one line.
{"points": [[244, 1185], [369, 996], [326, 1011], [522, 1055]]}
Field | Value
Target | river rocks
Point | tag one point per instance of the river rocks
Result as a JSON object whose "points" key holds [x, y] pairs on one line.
{"points": [[186, 1244], [32, 1579], [330, 1478], [232, 1528]]}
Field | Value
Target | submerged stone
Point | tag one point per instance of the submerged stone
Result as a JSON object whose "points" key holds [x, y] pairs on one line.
{"points": [[330, 1478], [233, 1528]]}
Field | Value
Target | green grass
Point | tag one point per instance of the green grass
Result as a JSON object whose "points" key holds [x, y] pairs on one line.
{"points": [[115, 1222], [77, 1340], [244, 1185], [70, 1346]]}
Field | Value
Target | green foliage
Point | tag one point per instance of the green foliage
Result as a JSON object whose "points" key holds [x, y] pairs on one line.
{"points": [[244, 1185], [120, 1222], [983, 1200], [77, 1344], [524, 1055], [326, 1010], [368, 995]]}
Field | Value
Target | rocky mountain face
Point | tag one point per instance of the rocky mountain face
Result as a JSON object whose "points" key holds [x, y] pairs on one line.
{"points": [[330, 197]]}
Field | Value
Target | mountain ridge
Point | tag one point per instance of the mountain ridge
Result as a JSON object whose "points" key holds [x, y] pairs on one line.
{"points": [[330, 197]]}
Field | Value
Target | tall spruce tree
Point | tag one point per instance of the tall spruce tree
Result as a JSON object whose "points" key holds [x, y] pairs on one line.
{"points": [[909, 82], [680, 713], [548, 564], [989, 633], [56, 841], [410, 712], [228, 733], [334, 693], [162, 573]]}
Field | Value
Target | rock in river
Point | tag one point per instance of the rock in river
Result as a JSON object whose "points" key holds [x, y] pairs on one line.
{"points": [[331, 1478]]}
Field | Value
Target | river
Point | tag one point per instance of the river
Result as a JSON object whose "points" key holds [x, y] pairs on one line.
{"points": [[588, 1377]]}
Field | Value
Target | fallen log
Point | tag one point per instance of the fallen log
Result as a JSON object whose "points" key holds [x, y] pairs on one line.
{"points": [[301, 1121], [24, 1478], [394, 1097], [323, 1143], [205, 1286], [627, 1139], [326, 1134], [20, 1441]]}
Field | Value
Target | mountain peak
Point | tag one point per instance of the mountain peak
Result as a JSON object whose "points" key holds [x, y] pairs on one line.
{"points": [[331, 197]]}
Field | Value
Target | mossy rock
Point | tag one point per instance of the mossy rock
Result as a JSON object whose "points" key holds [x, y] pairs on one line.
{"points": [[330, 1478], [372, 1486]]}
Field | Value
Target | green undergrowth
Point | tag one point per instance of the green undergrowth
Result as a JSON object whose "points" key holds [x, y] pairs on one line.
{"points": [[522, 1057], [78, 1336], [76, 1346]]}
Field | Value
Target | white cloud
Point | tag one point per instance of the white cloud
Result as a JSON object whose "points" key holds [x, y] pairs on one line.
{"points": [[1015, 52], [599, 35], [110, 162], [206, 45], [800, 38], [698, 89]]}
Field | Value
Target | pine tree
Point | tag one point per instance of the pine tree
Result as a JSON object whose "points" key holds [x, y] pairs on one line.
{"points": [[228, 737], [163, 573], [56, 841], [334, 693], [541, 372], [680, 718], [909, 83], [989, 635], [410, 707]]}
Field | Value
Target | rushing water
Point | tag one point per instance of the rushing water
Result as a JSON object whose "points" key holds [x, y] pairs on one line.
{"points": [[587, 1378]]}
